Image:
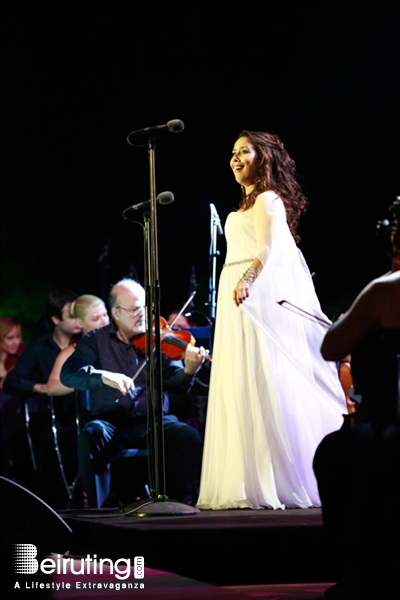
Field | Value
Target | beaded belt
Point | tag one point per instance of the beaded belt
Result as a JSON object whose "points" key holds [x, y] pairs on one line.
{"points": [[238, 262]]}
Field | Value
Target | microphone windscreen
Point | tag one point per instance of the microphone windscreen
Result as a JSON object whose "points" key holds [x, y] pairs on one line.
{"points": [[175, 125], [165, 198]]}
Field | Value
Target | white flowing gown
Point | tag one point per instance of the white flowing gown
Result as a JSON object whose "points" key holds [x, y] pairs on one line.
{"points": [[272, 397]]}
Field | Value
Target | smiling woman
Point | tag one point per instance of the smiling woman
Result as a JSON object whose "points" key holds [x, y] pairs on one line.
{"points": [[271, 395], [245, 163]]}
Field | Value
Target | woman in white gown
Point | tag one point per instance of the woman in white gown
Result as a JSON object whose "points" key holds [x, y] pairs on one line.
{"points": [[272, 397]]}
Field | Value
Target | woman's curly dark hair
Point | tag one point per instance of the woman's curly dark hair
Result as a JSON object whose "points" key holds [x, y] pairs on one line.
{"points": [[277, 172]]}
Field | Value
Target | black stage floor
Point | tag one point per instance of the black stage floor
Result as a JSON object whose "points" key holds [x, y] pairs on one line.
{"points": [[230, 547], [206, 554]]}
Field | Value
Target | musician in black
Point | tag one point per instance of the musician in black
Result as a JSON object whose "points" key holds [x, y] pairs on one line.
{"points": [[357, 468], [114, 406]]}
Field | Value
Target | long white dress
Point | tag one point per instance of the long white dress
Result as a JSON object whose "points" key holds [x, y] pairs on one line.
{"points": [[272, 397]]}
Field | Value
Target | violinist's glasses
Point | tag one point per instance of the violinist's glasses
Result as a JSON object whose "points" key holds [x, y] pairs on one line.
{"points": [[132, 311]]}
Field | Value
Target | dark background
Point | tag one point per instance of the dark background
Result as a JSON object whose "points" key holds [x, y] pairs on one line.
{"points": [[78, 77]]}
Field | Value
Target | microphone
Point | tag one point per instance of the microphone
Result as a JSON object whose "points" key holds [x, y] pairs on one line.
{"points": [[175, 126], [216, 219], [163, 198]]}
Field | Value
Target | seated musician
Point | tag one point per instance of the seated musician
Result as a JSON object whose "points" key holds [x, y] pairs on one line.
{"points": [[104, 363], [357, 467]]}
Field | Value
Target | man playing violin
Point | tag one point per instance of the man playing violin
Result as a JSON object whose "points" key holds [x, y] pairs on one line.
{"points": [[106, 362]]}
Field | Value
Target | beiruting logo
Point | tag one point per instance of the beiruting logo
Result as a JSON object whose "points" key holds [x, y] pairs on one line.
{"points": [[24, 561]]}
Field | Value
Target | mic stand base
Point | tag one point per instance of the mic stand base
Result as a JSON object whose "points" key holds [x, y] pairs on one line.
{"points": [[147, 507], [158, 508]]}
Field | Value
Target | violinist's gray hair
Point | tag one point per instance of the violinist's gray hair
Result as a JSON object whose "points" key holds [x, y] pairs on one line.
{"points": [[130, 284]]}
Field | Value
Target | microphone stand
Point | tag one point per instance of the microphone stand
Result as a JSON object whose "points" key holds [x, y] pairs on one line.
{"points": [[215, 225], [158, 504]]}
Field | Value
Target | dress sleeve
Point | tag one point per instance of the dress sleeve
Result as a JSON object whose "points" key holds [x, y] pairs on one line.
{"points": [[268, 213]]}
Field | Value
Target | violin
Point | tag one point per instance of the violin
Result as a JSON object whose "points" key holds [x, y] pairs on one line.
{"points": [[173, 342], [346, 381], [75, 339]]}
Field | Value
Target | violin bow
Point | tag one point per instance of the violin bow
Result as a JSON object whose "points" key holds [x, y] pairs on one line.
{"points": [[188, 301], [323, 322]]}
